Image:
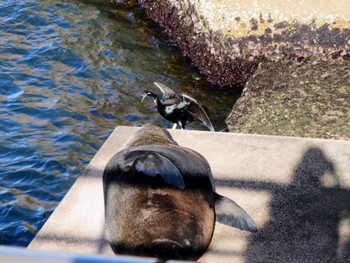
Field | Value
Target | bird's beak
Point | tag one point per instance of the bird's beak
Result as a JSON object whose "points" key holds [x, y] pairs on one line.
{"points": [[143, 97]]}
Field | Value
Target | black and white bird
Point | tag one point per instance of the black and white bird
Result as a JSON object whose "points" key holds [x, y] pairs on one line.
{"points": [[179, 109]]}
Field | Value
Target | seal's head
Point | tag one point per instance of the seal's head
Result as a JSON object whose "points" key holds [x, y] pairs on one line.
{"points": [[150, 135]]}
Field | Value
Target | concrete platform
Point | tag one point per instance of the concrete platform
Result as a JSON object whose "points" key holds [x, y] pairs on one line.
{"points": [[296, 189]]}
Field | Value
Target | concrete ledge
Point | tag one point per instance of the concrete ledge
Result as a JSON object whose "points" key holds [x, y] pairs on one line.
{"points": [[19, 255], [296, 189]]}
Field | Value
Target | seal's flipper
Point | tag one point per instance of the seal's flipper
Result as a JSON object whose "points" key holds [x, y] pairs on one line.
{"points": [[230, 213], [153, 164]]}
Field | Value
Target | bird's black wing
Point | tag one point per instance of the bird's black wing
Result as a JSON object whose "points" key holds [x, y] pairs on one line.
{"points": [[196, 110], [169, 96]]}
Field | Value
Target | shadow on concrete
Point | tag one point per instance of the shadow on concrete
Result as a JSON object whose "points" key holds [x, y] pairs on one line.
{"points": [[304, 216]]}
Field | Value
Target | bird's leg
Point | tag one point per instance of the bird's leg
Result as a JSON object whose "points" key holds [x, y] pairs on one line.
{"points": [[174, 126], [182, 126]]}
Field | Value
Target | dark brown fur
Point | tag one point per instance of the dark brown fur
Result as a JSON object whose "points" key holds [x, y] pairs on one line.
{"points": [[150, 135], [148, 217]]}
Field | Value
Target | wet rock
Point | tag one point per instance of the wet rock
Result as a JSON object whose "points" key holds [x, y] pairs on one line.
{"points": [[305, 99], [215, 53], [228, 39]]}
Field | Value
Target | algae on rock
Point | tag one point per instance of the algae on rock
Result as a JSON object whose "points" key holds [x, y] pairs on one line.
{"points": [[307, 99]]}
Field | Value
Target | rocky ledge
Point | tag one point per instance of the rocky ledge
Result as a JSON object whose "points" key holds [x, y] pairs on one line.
{"points": [[308, 99], [292, 57]]}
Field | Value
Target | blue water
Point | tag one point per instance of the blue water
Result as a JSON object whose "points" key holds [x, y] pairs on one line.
{"points": [[69, 74]]}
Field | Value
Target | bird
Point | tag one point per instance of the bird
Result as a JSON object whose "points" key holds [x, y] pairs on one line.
{"points": [[160, 201], [178, 109]]}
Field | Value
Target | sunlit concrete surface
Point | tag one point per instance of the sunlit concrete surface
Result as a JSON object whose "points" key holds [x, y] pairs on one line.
{"points": [[223, 15], [296, 189]]}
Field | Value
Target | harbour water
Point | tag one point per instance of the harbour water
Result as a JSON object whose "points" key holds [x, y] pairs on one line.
{"points": [[70, 72]]}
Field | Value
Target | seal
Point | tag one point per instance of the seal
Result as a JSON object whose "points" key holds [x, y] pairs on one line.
{"points": [[160, 201]]}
